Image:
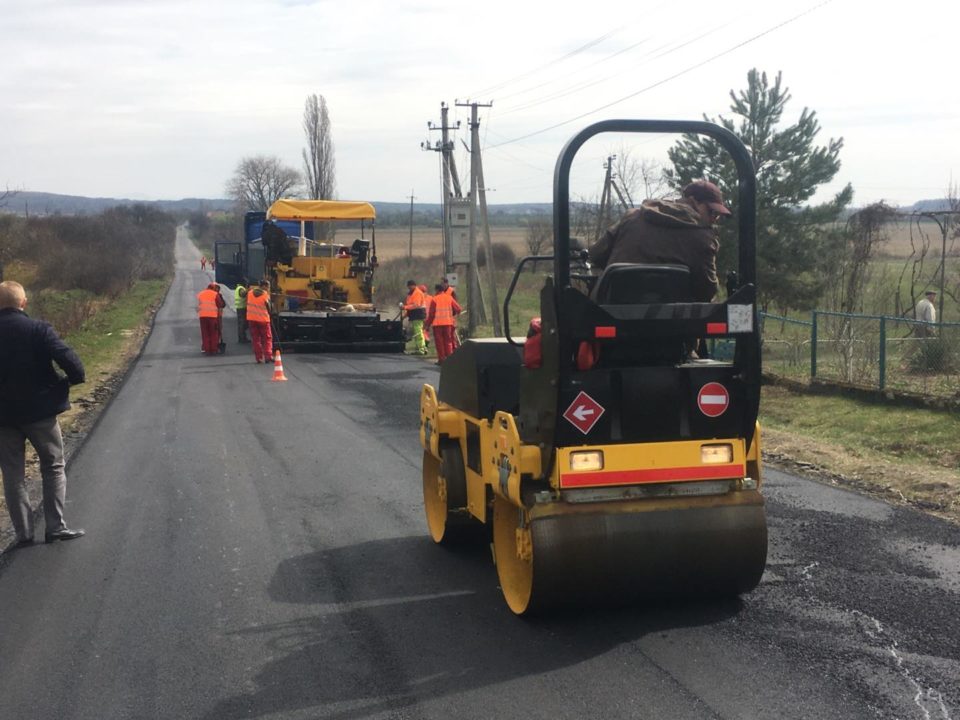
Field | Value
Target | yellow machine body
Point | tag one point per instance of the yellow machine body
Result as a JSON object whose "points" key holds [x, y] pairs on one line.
{"points": [[320, 282], [654, 519]]}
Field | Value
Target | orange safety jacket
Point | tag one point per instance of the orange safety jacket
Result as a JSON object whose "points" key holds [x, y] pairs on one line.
{"points": [[416, 305], [257, 310], [207, 303], [442, 310], [427, 297]]}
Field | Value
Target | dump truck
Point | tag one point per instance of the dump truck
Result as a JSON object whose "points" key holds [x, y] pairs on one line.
{"points": [[603, 460], [321, 292]]}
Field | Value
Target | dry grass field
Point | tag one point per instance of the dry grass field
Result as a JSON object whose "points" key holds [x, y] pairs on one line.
{"points": [[394, 242], [905, 238]]}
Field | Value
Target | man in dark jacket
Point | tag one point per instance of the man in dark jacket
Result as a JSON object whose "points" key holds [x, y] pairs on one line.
{"points": [[677, 232], [32, 394]]}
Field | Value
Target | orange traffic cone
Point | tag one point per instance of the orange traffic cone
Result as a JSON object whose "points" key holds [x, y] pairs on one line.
{"points": [[278, 375]]}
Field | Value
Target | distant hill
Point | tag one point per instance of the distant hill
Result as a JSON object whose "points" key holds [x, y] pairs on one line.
{"points": [[41, 203], [388, 213], [929, 205]]}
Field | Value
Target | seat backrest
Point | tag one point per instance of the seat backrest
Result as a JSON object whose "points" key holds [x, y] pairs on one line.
{"points": [[642, 284]]}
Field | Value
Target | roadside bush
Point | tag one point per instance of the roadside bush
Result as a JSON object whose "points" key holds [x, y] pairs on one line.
{"points": [[504, 258], [934, 355], [66, 310], [104, 254]]}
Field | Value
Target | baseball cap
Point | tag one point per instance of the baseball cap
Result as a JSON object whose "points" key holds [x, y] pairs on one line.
{"points": [[706, 192], [930, 292]]}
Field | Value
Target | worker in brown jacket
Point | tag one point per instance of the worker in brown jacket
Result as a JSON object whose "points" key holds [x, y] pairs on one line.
{"points": [[679, 232]]}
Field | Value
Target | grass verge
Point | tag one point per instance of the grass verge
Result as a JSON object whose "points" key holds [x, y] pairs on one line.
{"points": [[902, 454]]}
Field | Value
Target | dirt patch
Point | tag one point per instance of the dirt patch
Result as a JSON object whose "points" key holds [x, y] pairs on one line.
{"points": [[923, 486]]}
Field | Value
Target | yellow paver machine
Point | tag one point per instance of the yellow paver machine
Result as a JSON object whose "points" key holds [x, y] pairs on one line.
{"points": [[322, 292], [606, 462]]}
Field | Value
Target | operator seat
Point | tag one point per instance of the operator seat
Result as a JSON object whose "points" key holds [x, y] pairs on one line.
{"points": [[644, 284]]}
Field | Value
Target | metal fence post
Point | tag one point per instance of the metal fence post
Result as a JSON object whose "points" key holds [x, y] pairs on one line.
{"points": [[883, 352], [813, 346]]}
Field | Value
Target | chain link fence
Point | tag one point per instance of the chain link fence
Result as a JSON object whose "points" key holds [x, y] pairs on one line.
{"points": [[867, 351]]}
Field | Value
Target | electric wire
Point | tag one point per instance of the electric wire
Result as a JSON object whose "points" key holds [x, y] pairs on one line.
{"points": [[681, 73]]}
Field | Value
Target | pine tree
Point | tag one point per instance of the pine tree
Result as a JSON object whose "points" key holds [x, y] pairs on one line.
{"points": [[795, 242]]}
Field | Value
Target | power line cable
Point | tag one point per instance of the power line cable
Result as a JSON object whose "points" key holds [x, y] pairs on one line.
{"points": [[591, 83], [572, 53], [671, 77]]}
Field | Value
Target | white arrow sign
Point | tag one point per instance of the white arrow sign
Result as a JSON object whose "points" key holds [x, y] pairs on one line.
{"points": [[583, 412]]}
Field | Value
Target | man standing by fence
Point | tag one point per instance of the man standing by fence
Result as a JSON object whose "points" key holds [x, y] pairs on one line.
{"points": [[926, 313]]}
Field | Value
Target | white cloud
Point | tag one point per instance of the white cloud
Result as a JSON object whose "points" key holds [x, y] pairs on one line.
{"points": [[162, 99]]}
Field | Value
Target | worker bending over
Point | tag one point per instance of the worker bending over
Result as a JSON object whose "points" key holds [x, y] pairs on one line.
{"points": [[209, 305]]}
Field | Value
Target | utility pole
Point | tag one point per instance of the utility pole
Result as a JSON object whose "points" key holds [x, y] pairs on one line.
{"points": [[410, 246], [451, 181], [475, 303], [605, 196]]}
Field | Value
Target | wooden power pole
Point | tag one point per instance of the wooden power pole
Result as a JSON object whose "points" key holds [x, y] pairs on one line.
{"points": [[478, 195], [410, 246]]}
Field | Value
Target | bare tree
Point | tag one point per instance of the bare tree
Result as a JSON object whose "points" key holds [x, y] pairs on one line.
{"points": [[260, 181], [318, 160], [639, 178], [539, 235], [866, 230]]}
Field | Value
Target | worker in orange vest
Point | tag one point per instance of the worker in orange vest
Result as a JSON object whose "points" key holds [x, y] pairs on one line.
{"points": [[258, 321], [449, 290], [209, 305], [415, 309], [427, 298], [442, 318], [446, 287]]}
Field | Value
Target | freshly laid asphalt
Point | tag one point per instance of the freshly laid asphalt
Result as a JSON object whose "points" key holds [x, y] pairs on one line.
{"points": [[258, 549]]}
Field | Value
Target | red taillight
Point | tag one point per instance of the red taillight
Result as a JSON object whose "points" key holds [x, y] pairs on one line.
{"points": [[716, 328], [605, 331]]}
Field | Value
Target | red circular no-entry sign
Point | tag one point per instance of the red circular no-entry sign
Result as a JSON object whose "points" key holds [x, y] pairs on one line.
{"points": [[713, 399]]}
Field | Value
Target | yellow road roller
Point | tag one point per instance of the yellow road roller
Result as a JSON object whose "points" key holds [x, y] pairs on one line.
{"points": [[607, 462]]}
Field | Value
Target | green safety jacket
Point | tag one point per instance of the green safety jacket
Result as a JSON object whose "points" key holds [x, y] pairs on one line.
{"points": [[240, 297]]}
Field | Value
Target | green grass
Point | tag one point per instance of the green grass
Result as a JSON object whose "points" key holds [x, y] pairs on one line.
{"points": [[105, 339], [865, 428]]}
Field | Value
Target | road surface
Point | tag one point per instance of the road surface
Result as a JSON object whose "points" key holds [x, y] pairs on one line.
{"points": [[257, 549]]}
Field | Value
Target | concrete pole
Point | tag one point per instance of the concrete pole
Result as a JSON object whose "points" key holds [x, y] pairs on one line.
{"points": [[410, 246], [491, 270]]}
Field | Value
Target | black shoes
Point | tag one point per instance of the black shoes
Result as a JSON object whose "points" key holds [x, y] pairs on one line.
{"points": [[64, 534], [23, 543]]}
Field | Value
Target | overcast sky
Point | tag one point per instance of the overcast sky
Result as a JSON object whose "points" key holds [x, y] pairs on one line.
{"points": [[160, 99]]}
